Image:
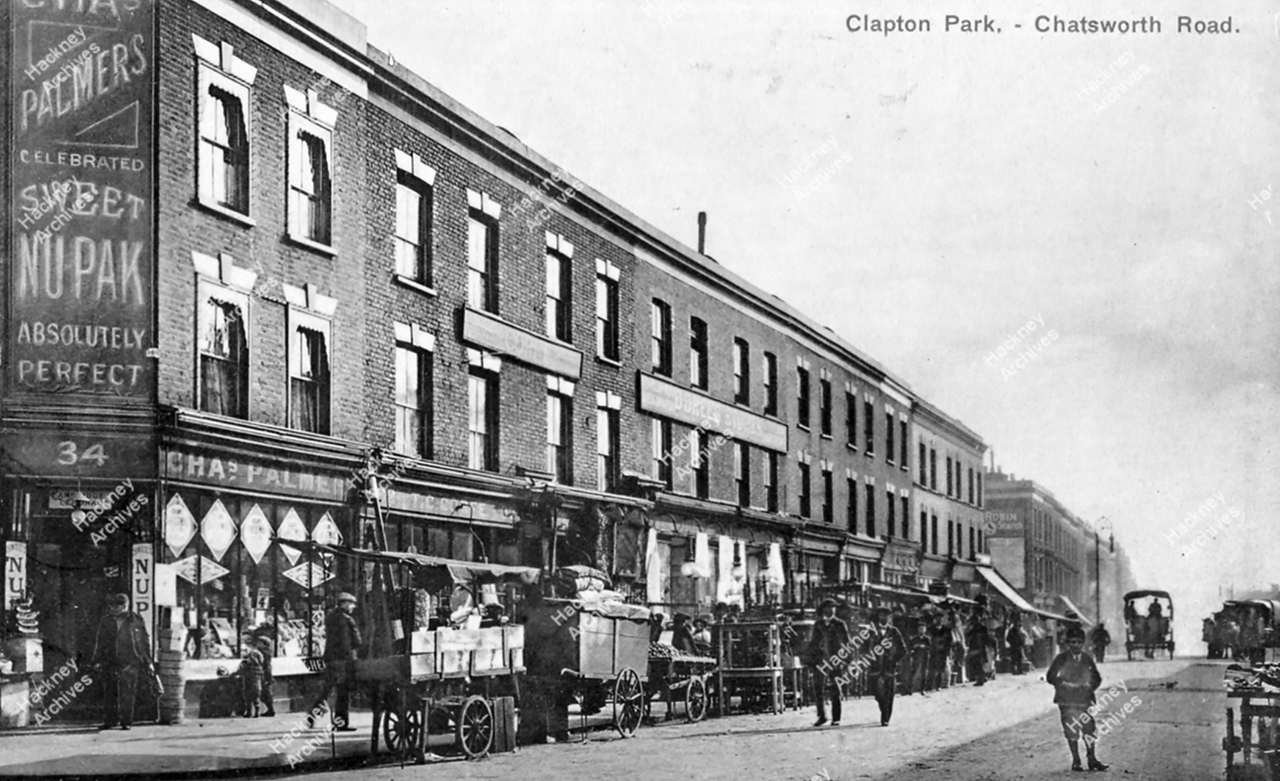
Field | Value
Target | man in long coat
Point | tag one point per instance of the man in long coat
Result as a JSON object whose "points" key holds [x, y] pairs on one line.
{"points": [[121, 653], [828, 653], [341, 646]]}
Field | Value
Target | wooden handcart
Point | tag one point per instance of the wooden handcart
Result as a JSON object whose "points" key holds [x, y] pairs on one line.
{"points": [[600, 652], [436, 680], [689, 676]]}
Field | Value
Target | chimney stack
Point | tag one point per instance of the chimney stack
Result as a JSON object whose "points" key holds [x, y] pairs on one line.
{"points": [[702, 233]]}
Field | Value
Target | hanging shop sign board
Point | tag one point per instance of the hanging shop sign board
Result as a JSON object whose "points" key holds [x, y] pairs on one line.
{"points": [[166, 586], [142, 582], [179, 525], [255, 533], [209, 570], [15, 572], [299, 574], [292, 528], [218, 530], [82, 213], [326, 531]]}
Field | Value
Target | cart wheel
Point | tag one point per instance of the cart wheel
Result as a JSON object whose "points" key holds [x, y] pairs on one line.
{"points": [[628, 702], [401, 726], [475, 727], [695, 699]]}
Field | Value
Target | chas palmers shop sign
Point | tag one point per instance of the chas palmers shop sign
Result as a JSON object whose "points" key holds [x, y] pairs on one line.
{"points": [[81, 152]]}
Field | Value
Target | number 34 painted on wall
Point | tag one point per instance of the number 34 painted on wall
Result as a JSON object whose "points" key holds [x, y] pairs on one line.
{"points": [[68, 453]]}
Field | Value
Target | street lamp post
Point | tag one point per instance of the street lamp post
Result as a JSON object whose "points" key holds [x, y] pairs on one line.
{"points": [[1097, 561]]}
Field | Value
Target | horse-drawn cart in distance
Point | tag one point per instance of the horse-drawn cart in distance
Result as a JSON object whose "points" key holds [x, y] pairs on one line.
{"points": [[1148, 620], [430, 677]]}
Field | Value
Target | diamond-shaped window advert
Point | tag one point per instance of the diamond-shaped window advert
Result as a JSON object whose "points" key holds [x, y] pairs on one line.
{"points": [[326, 531], [292, 528], [218, 530], [179, 525], [255, 533]]}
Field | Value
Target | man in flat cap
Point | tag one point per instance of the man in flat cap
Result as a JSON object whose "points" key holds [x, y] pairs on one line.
{"points": [[121, 652], [881, 652], [828, 653], [341, 646]]}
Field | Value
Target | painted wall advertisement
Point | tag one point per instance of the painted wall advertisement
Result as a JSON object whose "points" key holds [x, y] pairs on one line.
{"points": [[81, 153]]}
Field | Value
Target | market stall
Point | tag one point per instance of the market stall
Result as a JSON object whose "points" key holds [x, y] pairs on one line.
{"points": [[443, 674], [749, 666]]}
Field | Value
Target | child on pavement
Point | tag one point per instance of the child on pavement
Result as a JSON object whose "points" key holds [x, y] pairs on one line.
{"points": [[1075, 678]]}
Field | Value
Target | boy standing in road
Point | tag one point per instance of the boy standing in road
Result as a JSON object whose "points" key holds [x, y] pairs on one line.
{"points": [[1075, 678], [881, 652]]}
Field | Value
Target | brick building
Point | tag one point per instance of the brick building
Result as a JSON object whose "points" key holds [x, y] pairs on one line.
{"points": [[281, 261], [949, 496], [1041, 547]]}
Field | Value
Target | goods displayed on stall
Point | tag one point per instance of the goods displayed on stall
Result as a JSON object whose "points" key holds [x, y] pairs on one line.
{"points": [[749, 666], [442, 677], [1258, 690], [586, 645]]}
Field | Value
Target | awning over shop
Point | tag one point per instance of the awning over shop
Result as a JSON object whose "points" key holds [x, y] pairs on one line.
{"points": [[1011, 594], [1071, 606]]}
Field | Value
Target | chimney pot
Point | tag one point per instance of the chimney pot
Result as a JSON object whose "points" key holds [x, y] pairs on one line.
{"points": [[702, 233]]}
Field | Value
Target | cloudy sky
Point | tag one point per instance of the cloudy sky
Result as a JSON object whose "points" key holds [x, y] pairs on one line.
{"points": [[927, 194]]}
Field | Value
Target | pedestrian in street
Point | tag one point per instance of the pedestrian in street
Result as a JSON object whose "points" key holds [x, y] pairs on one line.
{"points": [[268, 679], [827, 653], [1101, 639], [1016, 640], [1075, 678], [702, 636], [881, 652], [959, 648], [978, 640], [921, 653], [941, 652], [250, 674], [341, 646], [121, 652]]}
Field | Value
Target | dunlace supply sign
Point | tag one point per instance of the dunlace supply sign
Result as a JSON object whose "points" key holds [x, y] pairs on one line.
{"points": [[81, 152]]}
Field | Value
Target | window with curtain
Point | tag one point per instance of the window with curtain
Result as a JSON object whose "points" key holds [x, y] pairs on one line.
{"points": [[560, 437], [482, 282], [559, 296], [413, 401], [309, 381], [224, 150], [224, 358], [482, 421], [608, 466], [413, 228], [309, 187]]}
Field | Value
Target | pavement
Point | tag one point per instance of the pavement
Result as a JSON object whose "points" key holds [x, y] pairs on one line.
{"points": [[1008, 729]]}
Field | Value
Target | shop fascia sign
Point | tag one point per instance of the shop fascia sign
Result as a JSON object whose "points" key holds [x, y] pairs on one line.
{"points": [[659, 397], [493, 333]]}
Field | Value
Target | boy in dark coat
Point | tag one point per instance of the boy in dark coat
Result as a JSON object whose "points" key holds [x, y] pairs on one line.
{"points": [[828, 653], [1075, 678], [921, 653], [251, 672], [881, 652]]}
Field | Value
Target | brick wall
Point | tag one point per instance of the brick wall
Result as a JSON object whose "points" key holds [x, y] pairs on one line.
{"points": [[264, 248]]}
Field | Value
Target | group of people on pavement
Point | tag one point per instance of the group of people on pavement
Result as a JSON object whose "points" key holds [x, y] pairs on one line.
{"points": [[835, 654]]}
